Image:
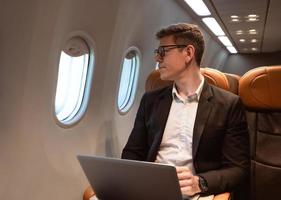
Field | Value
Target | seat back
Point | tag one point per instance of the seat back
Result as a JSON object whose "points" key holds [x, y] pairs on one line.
{"points": [[213, 77], [233, 81], [260, 91]]}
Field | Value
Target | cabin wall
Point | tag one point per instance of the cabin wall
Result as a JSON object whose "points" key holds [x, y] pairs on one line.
{"points": [[240, 64], [38, 157]]}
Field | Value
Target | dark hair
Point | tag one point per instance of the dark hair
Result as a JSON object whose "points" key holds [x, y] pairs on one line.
{"points": [[184, 33]]}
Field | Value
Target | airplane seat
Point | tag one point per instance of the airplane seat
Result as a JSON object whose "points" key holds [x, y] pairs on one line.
{"points": [[233, 81], [260, 91], [154, 81], [213, 77], [216, 78], [88, 193]]}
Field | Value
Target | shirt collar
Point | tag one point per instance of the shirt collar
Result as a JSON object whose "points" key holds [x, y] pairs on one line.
{"points": [[190, 98]]}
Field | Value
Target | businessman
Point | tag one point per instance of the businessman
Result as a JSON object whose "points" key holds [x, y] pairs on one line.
{"points": [[197, 127]]}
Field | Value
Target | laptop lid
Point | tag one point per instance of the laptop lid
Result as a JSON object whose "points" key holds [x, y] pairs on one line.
{"points": [[117, 179]]}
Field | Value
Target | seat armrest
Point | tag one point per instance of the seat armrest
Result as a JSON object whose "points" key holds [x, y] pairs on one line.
{"points": [[223, 196], [88, 193]]}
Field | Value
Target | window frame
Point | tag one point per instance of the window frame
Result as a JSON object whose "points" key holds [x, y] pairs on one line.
{"points": [[88, 82], [131, 100]]}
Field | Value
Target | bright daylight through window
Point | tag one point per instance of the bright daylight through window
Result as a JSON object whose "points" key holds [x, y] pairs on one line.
{"points": [[70, 102], [128, 80]]}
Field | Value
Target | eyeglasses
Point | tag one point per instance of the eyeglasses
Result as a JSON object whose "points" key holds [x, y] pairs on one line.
{"points": [[165, 48]]}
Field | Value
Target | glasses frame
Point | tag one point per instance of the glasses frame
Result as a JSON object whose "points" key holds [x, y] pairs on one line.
{"points": [[161, 50]]}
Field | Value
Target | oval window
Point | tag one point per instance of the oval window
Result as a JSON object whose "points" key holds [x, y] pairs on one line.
{"points": [[128, 79], [73, 81]]}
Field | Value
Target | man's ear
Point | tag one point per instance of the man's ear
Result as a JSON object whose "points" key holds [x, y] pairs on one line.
{"points": [[190, 53]]}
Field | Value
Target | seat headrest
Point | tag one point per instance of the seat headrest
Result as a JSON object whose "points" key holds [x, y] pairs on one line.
{"points": [[260, 88], [233, 81], [154, 81], [213, 77]]}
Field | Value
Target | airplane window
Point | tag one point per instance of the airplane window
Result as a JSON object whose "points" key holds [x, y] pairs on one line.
{"points": [[73, 74], [128, 79]]}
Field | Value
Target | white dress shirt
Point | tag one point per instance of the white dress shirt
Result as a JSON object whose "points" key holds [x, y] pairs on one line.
{"points": [[176, 144]]}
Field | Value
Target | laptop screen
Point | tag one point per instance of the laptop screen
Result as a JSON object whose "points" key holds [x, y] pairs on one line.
{"points": [[117, 179]]}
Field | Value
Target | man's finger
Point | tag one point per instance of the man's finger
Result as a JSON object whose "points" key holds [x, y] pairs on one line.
{"points": [[182, 169], [184, 175], [186, 190], [184, 183]]}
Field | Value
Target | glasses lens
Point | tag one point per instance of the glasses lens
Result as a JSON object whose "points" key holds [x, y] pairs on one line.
{"points": [[161, 51]]}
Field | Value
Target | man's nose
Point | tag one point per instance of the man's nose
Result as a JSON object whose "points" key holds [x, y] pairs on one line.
{"points": [[158, 58]]}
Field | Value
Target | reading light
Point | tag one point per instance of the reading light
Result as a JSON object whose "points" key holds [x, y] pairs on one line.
{"points": [[226, 42], [252, 15], [231, 49], [199, 7], [254, 40], [213, 26], [242, 40], [252, 19], [254, 49], [239, 32], [252, 31]]}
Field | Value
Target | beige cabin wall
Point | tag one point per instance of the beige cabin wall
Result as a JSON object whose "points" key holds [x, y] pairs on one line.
{"points": [[38, 157]]}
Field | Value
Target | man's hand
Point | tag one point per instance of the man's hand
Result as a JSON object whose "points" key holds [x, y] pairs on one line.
{"points": [[188, 182]]}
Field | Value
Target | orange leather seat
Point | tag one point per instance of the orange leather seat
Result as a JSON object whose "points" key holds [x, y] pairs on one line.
{"points": [[233, 81], [260, 91], [213, 77]]}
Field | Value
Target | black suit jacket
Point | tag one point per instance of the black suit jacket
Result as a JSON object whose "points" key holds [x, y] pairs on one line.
{"points": [[220, 138]]}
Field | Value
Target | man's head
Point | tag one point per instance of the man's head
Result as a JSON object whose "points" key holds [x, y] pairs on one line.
{"points": [[184, 34]]}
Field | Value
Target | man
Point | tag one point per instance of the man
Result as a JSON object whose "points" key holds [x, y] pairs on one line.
{"points": [[197, 127]]}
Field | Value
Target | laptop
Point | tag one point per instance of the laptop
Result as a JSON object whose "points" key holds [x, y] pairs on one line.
{"points": [[118, 179]]}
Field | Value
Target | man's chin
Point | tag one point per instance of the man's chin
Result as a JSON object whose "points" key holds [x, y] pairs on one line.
{"points": [[164, 78]]}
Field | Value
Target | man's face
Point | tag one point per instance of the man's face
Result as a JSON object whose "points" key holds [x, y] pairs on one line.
{"points": [[172, 59]]}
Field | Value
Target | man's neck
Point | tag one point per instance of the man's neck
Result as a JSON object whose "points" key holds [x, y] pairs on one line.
{"points": [[189, 81]]}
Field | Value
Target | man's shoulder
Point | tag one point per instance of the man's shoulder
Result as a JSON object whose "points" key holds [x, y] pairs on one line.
{"points": [[223, 95], [163, 91]]}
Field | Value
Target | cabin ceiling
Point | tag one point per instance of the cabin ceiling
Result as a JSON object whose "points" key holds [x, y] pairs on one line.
{"points": [[268, 26]]}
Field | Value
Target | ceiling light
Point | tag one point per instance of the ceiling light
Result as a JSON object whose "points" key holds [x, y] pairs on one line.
{"points": [[253, 15], [199, 7], [254, 49], [253, 31], [234, 16], [242, 40], [213, 26], [239, 32], [252, 19], [235, 20], [226, 42], [231, 49], [254, 40]]}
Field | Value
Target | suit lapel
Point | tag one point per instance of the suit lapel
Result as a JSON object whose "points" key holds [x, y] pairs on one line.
{"points": [[161, 114], [203, 111]]}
